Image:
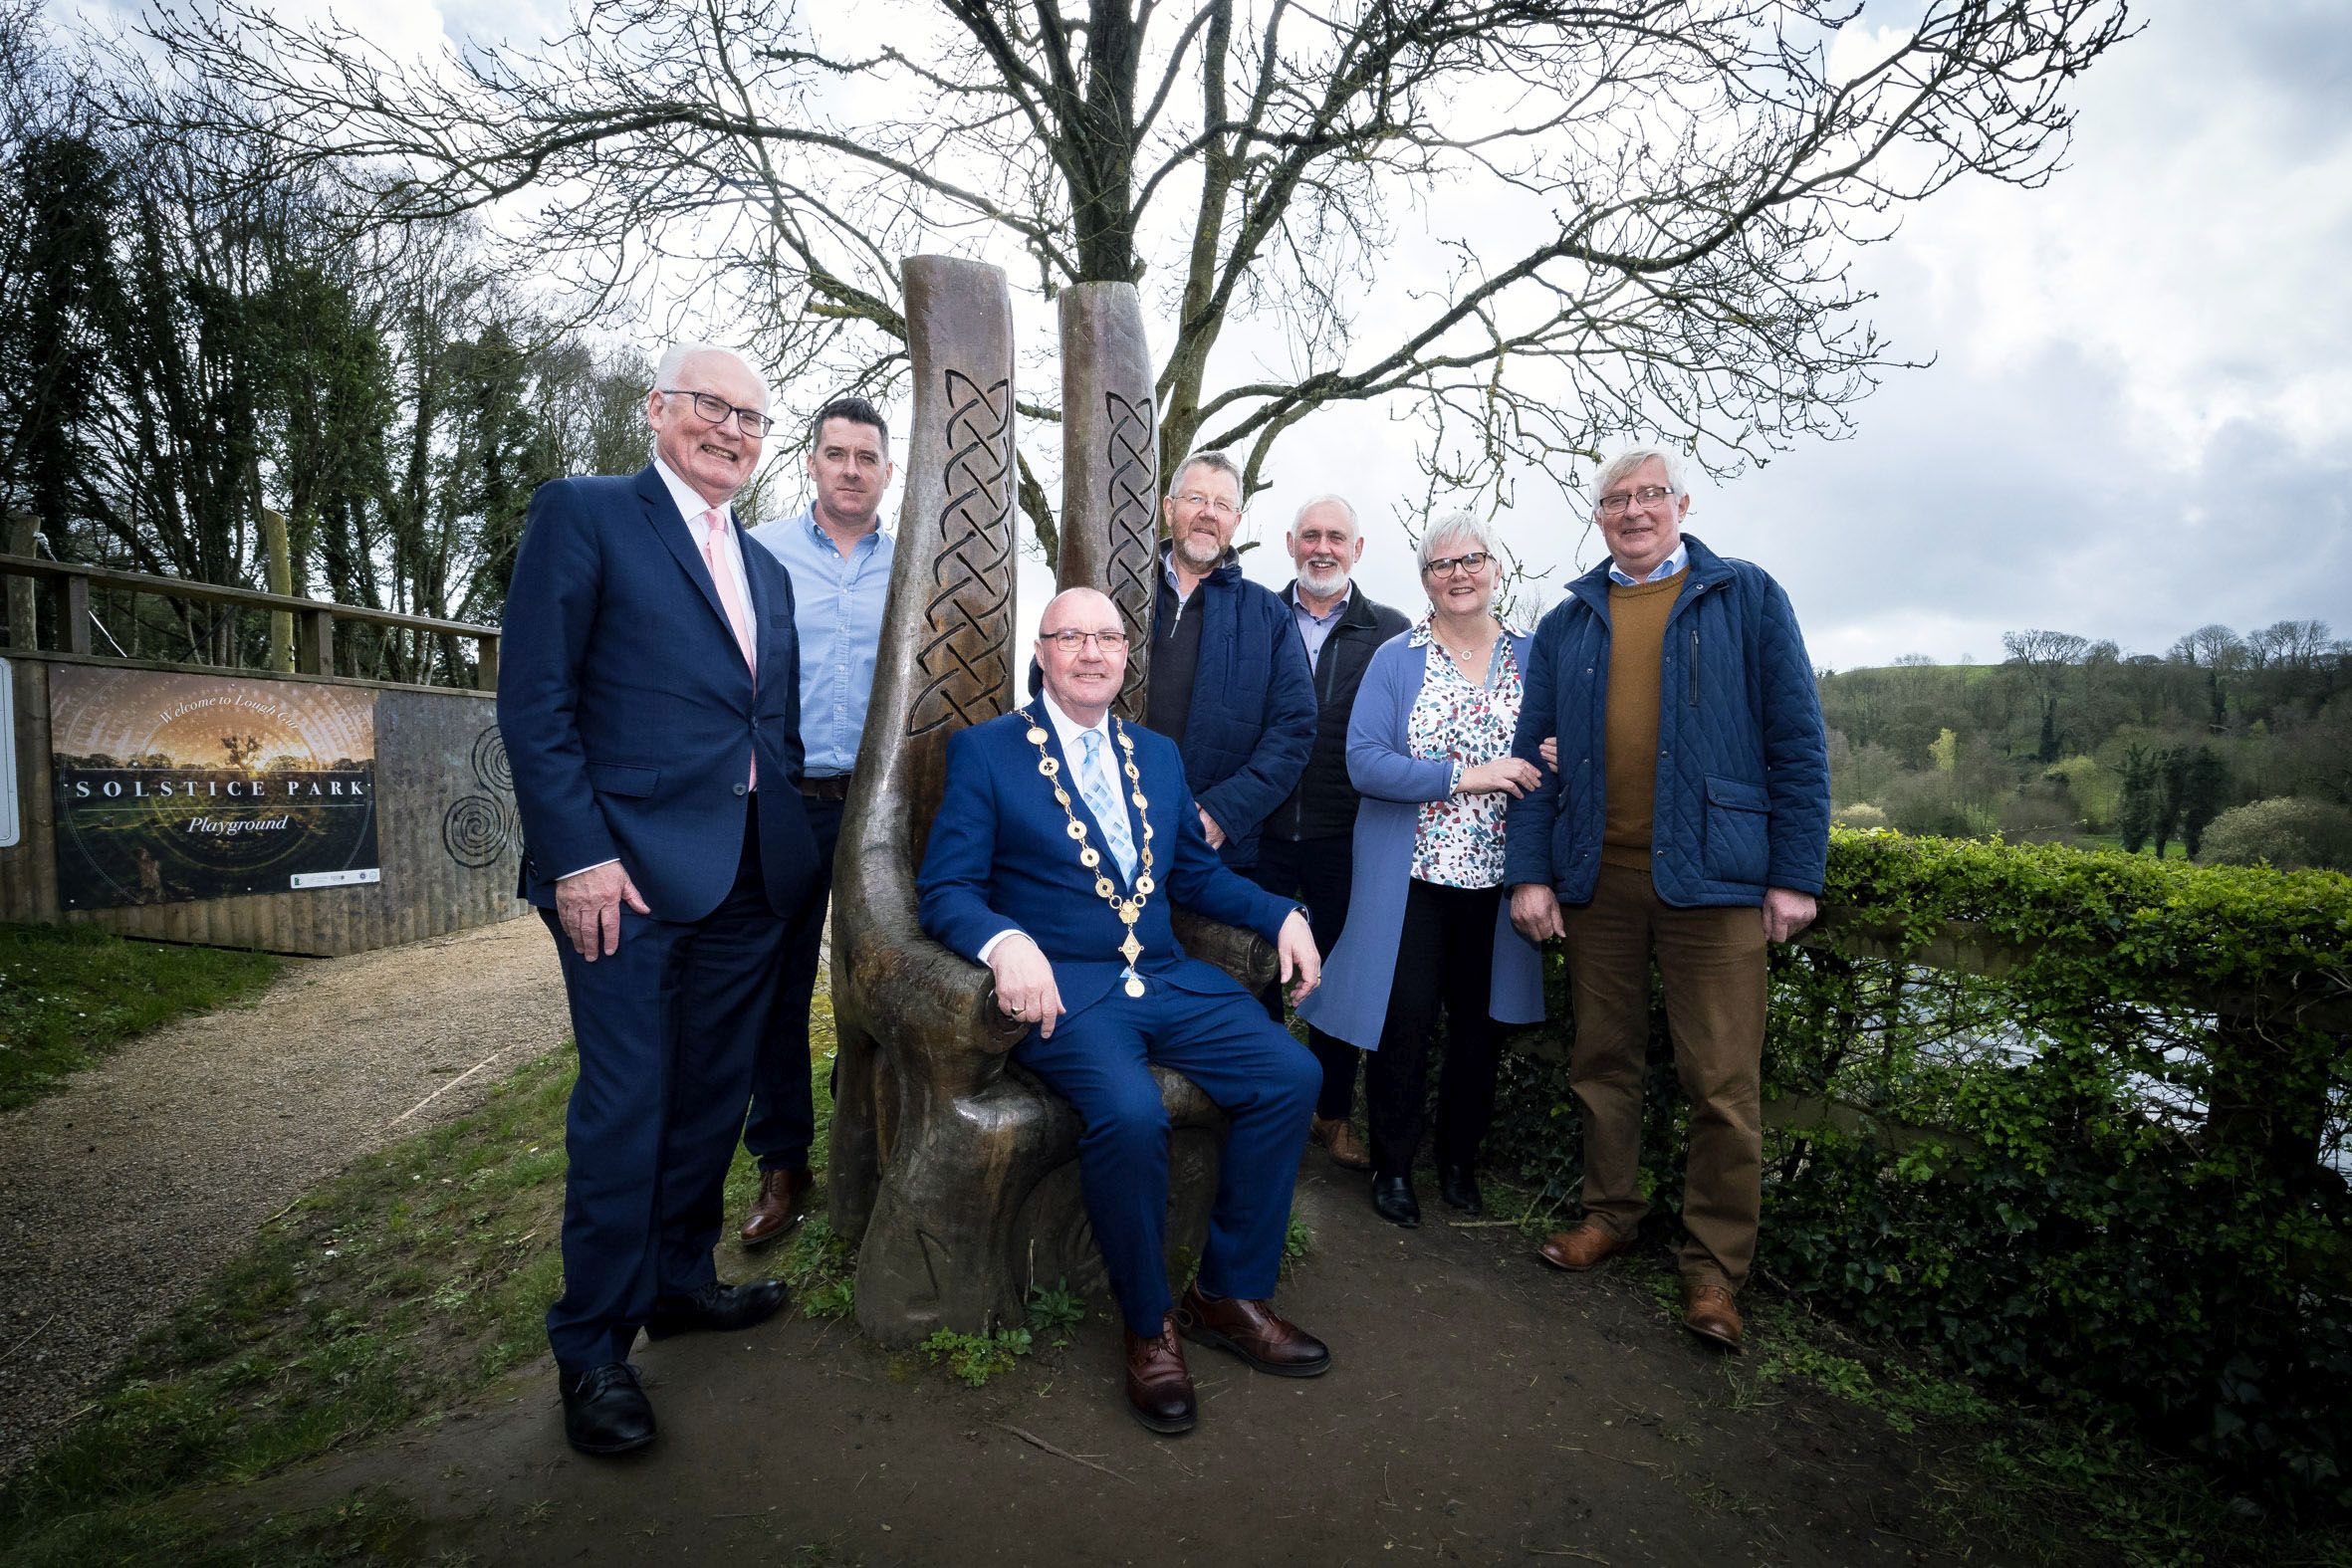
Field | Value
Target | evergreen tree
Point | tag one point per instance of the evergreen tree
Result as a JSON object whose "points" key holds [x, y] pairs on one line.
{"points": [[2203, 783], [2134, 812]]}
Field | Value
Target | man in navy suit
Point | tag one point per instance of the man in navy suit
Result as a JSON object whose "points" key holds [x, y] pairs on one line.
{"points": [[1061, 842], [649, 698]]}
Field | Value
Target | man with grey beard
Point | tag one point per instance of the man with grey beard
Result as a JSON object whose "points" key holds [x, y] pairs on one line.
{"points": [[1229, 681], [1307, 852]]}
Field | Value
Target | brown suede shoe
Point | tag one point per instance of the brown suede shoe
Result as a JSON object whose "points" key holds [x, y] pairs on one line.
{"points": [[1160, 1386], [1583, 1246], [783, 1204], [1709, 1313], [1251, 1331], [1336, 1137]]}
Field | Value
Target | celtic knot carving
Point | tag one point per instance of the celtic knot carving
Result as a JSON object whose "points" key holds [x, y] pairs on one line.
{"points": [[962, 661], [1130, 448]]}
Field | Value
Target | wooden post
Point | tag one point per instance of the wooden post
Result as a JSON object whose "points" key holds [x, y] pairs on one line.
{"points": [[486, 664], [280, 571], [315, 642], [23, 597], [71, 600]]}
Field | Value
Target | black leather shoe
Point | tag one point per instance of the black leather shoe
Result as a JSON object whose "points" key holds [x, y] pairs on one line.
{"points": [[604, 1412], [1456, 1186], [1392, 1200], [718, 1307]]}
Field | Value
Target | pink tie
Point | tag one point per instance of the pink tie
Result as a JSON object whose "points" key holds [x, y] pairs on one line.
{"points": [[738, 616]]}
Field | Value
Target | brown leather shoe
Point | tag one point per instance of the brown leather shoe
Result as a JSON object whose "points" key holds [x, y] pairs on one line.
{"points": [[1251, 1331], [1160, 1386], [1583, 1246], [783, 1204], [1709, 1313], [1336, 1137]]}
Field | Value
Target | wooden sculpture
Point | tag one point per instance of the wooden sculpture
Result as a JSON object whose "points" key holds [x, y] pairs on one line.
{"points": [[953, 1172]]}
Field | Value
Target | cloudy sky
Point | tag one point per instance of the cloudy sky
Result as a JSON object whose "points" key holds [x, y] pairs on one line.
{"points": [[2140, 415]]}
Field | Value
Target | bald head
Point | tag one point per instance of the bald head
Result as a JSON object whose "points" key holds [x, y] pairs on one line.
{"points": [[1082, 679]]}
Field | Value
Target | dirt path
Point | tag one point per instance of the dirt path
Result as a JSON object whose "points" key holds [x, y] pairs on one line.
{"points": [[119, 1193], [1480, 1409]]}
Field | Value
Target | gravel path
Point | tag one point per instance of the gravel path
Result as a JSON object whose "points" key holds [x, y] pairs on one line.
{"points": [[121, 1194]]}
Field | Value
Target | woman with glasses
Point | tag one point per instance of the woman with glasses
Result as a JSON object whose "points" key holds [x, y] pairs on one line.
{"points": [[1428, 930]]}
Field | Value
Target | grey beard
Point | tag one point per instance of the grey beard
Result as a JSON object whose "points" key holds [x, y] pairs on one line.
{"points": [[1324, 586]]}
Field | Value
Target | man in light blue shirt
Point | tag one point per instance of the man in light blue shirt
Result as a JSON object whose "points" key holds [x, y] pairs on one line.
{"points": [[838, 559]]}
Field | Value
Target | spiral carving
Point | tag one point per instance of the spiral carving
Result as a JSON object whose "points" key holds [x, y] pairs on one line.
{"points": [[963, 662], [1133, 486], [477, 831], [490, 762]]}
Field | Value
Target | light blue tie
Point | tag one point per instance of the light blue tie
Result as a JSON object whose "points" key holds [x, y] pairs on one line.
{"points": [[1102, 798]]}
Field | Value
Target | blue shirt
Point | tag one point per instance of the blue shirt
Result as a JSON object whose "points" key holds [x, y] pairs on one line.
{"points": [[1315, 630], [838, 606], [1665, 568]]}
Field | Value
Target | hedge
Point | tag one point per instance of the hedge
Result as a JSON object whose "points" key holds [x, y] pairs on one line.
{"points": [[2109, 1166]]}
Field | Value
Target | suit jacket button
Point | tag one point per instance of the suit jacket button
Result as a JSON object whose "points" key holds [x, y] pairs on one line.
{"points": [[742, 789]]}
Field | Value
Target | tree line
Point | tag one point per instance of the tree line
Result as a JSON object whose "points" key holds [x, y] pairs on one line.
{"points": [[2230, 746], [213, 364]]}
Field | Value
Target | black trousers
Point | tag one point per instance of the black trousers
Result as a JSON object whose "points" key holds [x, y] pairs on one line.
{"points": [[1445, 958], [1320, 873], [783, 1120]]}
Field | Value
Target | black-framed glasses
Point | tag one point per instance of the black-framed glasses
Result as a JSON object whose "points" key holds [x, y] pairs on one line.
{"points": [[1069, 639], [717, 410], [1615, 503], [1447, 565]]}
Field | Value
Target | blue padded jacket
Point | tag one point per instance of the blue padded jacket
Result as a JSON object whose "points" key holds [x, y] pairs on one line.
{"points": [[1251, 718], [1743, 792]]}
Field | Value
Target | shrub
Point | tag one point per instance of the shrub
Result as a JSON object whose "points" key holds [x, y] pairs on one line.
{"points": [[2099, 1153], [1861, 817], [2287, 832]]}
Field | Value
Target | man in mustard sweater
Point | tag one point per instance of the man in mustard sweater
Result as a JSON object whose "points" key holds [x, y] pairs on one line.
{"points": [[1687, 818]]}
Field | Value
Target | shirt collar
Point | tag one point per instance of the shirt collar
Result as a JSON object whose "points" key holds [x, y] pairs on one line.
{"points": [[816, 532], [1299, 602], [1068, 729], [690, 504], [1666, 568]]}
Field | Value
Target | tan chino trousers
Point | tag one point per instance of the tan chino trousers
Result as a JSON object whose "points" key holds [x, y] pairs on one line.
{"points": [[1713, 964]]}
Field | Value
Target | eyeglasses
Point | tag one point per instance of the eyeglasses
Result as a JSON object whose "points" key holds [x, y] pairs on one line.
{"points": [[1615, 504], [1217, 503], [1446, 566], [1069, 639], [717, 409]]}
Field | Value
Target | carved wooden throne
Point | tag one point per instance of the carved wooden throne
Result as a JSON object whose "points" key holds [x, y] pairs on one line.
{"points": [[953, 1172]]}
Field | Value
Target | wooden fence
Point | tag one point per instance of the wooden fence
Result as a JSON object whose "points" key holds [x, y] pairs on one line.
{"points": [[446, 834]]}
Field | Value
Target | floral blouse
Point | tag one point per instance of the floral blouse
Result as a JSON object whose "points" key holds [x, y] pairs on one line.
{"points": [[1458, 841]]}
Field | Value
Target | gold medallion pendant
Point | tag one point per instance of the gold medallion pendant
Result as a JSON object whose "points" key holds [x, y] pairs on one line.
{"points": [[1129, 910]]}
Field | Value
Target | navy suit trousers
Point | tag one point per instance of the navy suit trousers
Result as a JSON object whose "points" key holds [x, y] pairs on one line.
{"points": [[783, 1121], [1265, 1082], [667, 1027]]}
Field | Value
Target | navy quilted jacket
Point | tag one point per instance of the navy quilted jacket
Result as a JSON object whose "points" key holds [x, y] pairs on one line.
{"points": [[1252, 720], [1743, 793]]}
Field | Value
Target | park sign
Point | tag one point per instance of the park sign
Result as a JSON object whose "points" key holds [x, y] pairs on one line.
{"points": [[170, 787]]}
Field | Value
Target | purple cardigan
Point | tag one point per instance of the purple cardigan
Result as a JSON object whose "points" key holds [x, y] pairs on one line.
{"points": [[1353, 1001]]}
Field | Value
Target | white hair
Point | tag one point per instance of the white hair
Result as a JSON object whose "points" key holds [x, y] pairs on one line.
{"points": [[1633, 457], [1345, 510], [1458, 525], [674, 357]]}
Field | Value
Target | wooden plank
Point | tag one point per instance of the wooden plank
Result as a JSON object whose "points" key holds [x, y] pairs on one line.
{"points": [[71, 598], [15, 565]]}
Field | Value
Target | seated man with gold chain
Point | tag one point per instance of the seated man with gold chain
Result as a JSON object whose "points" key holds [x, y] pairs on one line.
{"points": [[1061, 839]]}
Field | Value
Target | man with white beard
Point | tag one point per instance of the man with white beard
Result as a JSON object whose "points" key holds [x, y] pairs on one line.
{"points": [[1308, 849], [1229, 681]]}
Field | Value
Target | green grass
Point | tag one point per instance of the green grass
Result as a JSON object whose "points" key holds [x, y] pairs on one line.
{"points": [[381, 1297], [69, 995], [2026, 1484]]}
